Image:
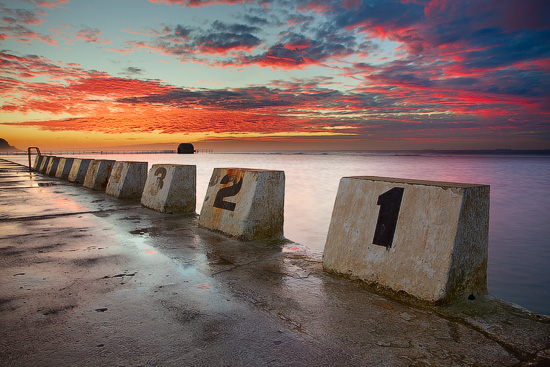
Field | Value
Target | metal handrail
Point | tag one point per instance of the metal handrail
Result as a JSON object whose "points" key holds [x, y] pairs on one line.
{"points": [[29, 154]]}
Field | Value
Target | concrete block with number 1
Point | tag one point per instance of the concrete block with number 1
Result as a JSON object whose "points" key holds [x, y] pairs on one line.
{"points": [[427, 239], [245, 203], [171, 188], [127, 180]]}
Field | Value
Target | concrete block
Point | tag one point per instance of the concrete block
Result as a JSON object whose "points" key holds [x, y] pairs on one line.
{"points": [[171, 188], [38, 162], [52, 166], [79, 170], [127, 180], [45, 163], [428, 239], [64, 168], [245, 203], [98, 174]]}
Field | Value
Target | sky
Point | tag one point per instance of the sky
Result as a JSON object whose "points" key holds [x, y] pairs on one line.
{"points": [[275, 74]]}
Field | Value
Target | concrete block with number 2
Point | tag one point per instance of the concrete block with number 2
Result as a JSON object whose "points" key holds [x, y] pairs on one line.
{"points": [[427, 239], [171, 188], [245, 203]]}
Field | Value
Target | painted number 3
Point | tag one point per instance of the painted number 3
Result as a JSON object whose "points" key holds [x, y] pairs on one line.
{"points": [[226, 192], [390, 203], [161, 175]]}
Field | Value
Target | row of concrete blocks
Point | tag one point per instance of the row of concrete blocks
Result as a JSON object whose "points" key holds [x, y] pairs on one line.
{"points": [[248, 209], [427, 239]]}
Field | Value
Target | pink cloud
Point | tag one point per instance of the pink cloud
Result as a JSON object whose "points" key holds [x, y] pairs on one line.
{"points": [[23, 34], [22, 16], [50, 4], [198, 3], [91, 35]]}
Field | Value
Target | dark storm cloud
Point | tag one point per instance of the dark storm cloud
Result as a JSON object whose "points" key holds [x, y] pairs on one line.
{"points": [[240, 99], [485, 33], [190, 43], [283, 96], [256, 20], [492, 48], [297, 50], [233, 28], [224, 37], [182, 32], [389, 14]]}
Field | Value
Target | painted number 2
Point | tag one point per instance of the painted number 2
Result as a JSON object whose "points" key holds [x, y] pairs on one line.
{"points": [[226, 192], [390, 203]]}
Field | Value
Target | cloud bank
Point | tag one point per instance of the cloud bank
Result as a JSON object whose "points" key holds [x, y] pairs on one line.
{"points": [[395, 71]]}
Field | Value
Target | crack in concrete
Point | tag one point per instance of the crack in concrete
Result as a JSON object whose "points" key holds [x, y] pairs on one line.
{"points": [[236, 266]]}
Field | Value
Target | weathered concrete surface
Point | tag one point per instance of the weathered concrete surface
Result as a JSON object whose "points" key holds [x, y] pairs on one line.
{"points": [[90, 280], [38, 162], [127, 180], [436, 249], [64, 168], [44, 164], [171, 188], [78, 170], [51, 170], [98, 174], [245, 203]]}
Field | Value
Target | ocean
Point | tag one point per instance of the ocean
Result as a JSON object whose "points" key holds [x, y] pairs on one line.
{"points": [[519, 229]]}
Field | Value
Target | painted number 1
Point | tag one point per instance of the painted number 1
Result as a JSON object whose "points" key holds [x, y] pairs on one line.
{"points": [[390, 203], [226, 192]]}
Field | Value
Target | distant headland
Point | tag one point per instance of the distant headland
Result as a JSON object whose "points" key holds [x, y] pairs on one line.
{"points": [[5, 147]]}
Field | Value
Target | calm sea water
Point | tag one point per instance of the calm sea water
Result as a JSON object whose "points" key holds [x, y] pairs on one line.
{"points": [[519, 234]]}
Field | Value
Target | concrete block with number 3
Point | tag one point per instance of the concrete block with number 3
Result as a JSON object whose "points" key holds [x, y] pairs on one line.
{"points": [[127, 180], [427, 239], [171, 188], [98, 174], [245, 203]]}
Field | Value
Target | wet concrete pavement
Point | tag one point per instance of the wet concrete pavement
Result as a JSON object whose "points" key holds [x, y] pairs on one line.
{"points": [[89, 280]]}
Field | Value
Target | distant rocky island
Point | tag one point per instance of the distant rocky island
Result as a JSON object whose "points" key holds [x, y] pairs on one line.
{"points": [[5, 147]]}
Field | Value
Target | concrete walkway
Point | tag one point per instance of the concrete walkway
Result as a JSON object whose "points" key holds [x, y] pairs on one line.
{"points": [[89, 280]]}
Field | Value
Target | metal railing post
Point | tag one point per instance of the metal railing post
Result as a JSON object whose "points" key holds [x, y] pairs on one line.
{"points": [[29, 154]]}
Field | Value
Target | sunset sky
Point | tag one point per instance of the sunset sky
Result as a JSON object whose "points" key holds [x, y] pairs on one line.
{"points": [[275, 74]]}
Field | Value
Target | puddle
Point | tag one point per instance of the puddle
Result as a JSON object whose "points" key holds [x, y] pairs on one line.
{"points": [[47, 184]]}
